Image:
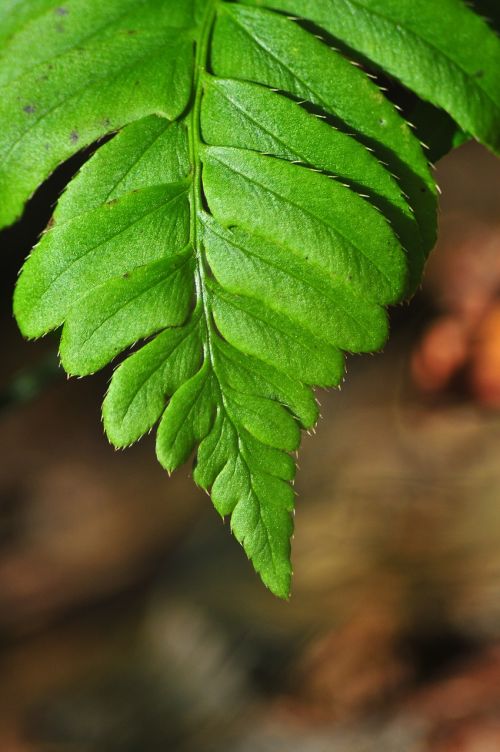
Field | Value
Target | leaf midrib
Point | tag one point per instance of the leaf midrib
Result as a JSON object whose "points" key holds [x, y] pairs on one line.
{"points": [[195, 143]]}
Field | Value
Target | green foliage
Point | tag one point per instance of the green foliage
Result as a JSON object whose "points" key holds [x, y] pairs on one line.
{"points": [[261, 204]]}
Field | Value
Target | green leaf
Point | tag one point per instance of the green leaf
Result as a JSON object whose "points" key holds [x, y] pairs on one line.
{"points": [[100, 66], [141, 385], [114, 315], [258, 45], [81, 254], [442, 51], [261, 204], [249, 116], [15, 14]]}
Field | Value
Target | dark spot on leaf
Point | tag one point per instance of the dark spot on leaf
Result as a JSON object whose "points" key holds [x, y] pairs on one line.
{"points": [[131, 32], [126, 275], [479, 74], [30, 109], [112, 202], [106, 122], [74, 137], [61, 11], [382, 121]]}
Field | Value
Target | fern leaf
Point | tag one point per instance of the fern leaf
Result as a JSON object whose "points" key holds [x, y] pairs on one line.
{"points": [[100, 66], [260, 206], [442, 51]]}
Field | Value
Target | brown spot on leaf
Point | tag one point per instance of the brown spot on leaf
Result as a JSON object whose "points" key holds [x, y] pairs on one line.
{"points": [[50, 224], [74, 137]]}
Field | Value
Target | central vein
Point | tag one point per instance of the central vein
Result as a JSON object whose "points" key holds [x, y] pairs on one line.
{"points": [[195, 140]]}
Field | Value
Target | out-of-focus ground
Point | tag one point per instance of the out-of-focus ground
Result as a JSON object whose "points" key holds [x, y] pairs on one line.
{"points": [[130, 621]]}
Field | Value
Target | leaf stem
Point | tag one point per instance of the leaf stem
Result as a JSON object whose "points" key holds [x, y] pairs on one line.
{"points": [[195, 139]]}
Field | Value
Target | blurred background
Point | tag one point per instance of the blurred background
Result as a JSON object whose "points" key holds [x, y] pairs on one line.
{"points": [[130, 620]]}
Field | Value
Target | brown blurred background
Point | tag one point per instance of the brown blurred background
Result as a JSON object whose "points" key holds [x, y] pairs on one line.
{"points": [[129, 619]]}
